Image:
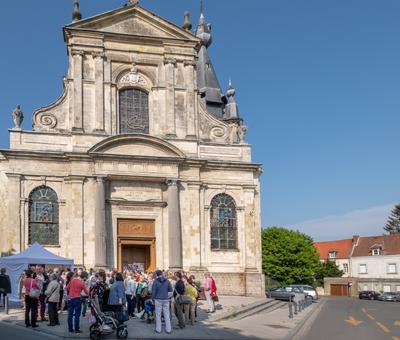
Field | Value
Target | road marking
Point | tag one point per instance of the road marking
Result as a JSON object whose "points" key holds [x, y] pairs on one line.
{"points": [[383, 327], [397, 324], [352, 321], [367, 314]]}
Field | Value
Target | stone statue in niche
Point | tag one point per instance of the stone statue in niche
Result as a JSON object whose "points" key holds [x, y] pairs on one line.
{"points": [[237, 133], [241, 132], [233, 136], [18, 117]]}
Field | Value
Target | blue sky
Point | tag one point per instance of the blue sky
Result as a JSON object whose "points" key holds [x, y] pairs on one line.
{"points": [[317, 81]]}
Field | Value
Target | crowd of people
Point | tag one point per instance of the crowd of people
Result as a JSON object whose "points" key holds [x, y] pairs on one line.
{"points": [[157, 296]]}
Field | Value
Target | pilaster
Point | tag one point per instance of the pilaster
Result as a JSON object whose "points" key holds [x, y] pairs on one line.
{"points": [[100, 224], [77, 56], [170, 64], [190, 99], [99, 91], [174, 226]]}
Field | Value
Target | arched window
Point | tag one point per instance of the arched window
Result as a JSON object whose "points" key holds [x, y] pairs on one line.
{"points": [[133, 111], [43, 216], [223, 222]]}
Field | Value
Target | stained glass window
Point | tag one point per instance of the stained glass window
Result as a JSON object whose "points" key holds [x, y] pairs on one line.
{"points": [[223, 222], [43, 216], [133, 111]]}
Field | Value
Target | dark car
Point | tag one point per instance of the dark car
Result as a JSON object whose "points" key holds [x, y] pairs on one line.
{"points": [[280, 293], [369, 295], [389, 296]]}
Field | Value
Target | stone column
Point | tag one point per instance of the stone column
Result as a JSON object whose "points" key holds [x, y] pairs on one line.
{"points": [[100, 224], [190, 98], [107, 96], [170, 97], [174, 226], [99, 91], [77, 123], [12, 237]]}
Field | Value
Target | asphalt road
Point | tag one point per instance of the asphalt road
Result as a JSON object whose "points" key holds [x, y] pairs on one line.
{"points": [[348, 318], [12, 332]]}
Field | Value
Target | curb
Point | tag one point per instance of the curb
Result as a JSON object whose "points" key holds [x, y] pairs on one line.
{"points": [[304, 325]]}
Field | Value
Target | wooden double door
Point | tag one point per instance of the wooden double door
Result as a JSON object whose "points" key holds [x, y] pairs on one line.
{"points": [[136, 245], [339, 290]]}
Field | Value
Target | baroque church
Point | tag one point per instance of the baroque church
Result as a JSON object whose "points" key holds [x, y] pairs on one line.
{"points": [[141, 162]]}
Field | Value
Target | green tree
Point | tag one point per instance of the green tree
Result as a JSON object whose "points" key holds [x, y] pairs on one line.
{"points": [[327, 269], [289, 256], [393, 223]]}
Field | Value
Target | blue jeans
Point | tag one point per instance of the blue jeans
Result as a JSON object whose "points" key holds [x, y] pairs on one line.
{"points": [[74, 311]]}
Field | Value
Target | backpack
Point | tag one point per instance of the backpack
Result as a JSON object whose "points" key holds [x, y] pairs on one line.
{"points": [[213, 287], [144, 292]]}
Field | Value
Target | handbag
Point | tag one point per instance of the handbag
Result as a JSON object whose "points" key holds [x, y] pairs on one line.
{"points": [[184, 299], [215, 298], [122, 316], [34, 293]]}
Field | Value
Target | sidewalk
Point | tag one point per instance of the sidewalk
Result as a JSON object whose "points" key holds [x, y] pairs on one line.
{"points": [[138, 329], [265, 325], [272, 325]]}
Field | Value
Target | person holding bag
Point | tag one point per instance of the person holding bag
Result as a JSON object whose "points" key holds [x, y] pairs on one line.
{"points": [[32, 293], [179, 303], [52, 297]]}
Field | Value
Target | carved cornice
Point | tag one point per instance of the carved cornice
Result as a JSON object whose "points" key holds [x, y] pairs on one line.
{"points": [[138, 203]]}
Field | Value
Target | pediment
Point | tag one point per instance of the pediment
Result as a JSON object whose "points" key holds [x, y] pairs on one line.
{"points": [[133, 20], [136, 145]]}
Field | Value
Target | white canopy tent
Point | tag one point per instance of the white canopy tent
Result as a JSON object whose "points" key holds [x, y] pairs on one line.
{"points": [[35, 254]]}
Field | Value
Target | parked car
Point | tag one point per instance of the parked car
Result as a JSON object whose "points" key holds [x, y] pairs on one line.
{"points": [[307, 289], [369, 295], [389, 296], [280, 293]]}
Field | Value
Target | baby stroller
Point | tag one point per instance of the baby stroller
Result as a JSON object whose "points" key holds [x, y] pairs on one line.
{"points": [[105, 323]]}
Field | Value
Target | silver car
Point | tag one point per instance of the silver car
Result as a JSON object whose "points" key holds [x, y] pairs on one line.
{"points": [[307, 289]]}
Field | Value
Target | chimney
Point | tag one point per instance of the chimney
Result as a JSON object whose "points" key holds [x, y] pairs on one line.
{"points": [[355, 239]]}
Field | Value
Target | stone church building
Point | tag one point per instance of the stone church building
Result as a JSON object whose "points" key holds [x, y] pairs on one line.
{"points": [[141, 162]]}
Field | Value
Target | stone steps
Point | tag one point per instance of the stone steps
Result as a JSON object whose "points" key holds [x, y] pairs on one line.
{"points": [[249, 310]]}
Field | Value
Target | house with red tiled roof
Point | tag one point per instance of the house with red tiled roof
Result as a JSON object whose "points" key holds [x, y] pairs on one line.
{"points": [[375, 262], [338, 251]]}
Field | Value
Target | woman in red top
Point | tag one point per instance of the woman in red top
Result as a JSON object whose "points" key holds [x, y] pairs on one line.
{"points": [[31, 303]]}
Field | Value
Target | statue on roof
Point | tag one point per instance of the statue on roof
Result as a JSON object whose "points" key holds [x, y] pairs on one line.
{"points": [[18, 117]]}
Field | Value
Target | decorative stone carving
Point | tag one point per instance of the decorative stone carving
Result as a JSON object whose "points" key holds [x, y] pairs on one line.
{"points": [[133, 78], [48, 120], [218, 132], [189, 63], [170, 61], [98, 55], [18, 117], [75, 53], [212, 129]]}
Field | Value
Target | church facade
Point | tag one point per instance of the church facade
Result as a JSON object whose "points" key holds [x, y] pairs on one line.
{"points": [[141, 162]]}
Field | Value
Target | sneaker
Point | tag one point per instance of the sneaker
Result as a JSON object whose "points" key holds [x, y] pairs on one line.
{"points": [[78, 332]]}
